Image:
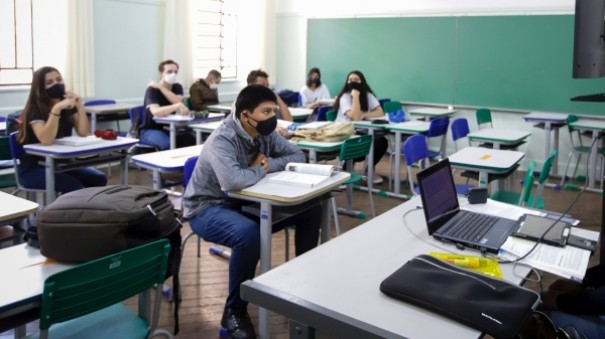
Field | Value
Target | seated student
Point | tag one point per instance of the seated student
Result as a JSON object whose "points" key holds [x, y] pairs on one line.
{"points": [[314, 90], [50, 113], [355, 102], [204, 92], [260, 77], [236, 155], [580, 305], [162, 99]]}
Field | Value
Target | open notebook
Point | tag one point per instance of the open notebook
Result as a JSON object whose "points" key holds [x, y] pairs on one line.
{"points": [[305, 175], [78, 141]]}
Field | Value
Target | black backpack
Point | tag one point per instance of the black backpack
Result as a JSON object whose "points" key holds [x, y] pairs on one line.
{"points": [[97, 221]]}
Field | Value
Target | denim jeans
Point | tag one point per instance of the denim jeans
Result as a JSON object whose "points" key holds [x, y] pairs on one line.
{"points": [[227, 225], [161, 139], [592, 327], [65, 181]]}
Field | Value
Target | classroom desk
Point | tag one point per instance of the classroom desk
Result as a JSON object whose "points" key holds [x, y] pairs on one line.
{"points": [[106, 109], [596, 126], [335, 287], [174, 120], [498, 136], [15, 208], [408, 127], [168, 161], [271, 195], [429, 113], [313, 147], [551, 122], [370, 128], [64, 158], [220, 108], [300, 113], [485, 160]]}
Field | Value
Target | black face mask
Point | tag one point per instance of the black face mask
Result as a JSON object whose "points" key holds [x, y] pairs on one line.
{"points": [[314, 80], [354, 85], [56, 91], [265, 127]]}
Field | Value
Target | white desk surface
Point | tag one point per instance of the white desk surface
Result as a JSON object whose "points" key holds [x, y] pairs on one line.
{"points": [[206, 126], [24, 270], [60, 151], [546, 117], [487, 159], [369, 124], [593, 125], [13, 207], [168, 160], [503, 136], [107, 108], [327, 102], [220, 107], [187, 119], [338, 282], [413, 126], [287, 194], [432, 111], [300, 112]]}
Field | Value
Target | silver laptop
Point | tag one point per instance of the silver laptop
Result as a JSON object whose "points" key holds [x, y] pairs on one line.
{"points": [[447, 222]]}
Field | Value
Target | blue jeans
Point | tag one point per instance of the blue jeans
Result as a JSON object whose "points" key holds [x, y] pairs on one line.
{"points": [[592, 327], [161, 139], [65, 181], [227, 225]]}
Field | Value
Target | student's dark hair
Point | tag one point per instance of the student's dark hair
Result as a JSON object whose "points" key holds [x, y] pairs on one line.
{"points": [[37, 97], [255, 74], [167, 62], [311, 71], [363, 95], [251, 96], [215, 74]]}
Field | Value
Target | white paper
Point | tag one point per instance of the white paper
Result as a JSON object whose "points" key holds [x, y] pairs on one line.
{"points": [[298, 179], [78, 141], [318, 169], [568, 262]]}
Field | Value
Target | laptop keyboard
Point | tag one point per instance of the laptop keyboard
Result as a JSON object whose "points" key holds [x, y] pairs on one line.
{"points": [[472, 226]]}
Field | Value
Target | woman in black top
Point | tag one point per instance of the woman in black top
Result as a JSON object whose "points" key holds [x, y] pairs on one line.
{"points": [[50, 113]]}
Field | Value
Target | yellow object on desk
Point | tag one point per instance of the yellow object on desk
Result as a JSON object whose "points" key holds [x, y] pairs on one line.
{"points": [[483, 265]]}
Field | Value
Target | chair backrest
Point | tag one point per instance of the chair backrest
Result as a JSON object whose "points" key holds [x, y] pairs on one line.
{"points": [[574, 134], [16, 148], [354, 148], [13, 120], [438, 127], [331, 115], [102, 282], [5, 149], [484, 116], [415, 149], [321, 113], [391, 106], [98, 102], [382, 101], [188, 169], [459, 128], [136, 114], [547, 166], [528, 183]]}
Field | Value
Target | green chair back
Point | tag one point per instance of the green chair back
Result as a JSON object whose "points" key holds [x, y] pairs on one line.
{"points": [[547, 166], [331, 115], [187, 102], [391, 106], [527, 185], [571, 118], [354, 148], [484, 115], [103, 282]]}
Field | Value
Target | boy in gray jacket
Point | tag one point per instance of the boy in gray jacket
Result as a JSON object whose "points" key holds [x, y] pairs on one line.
{"points": [[237, 155]]}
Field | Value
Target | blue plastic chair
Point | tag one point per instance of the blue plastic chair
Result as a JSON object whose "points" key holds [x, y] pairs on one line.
{"points": [[321, 113], [99, 102], [382, 101], [460, 130], [438, 129], [187, 172], [137, 114], [17, 152]]}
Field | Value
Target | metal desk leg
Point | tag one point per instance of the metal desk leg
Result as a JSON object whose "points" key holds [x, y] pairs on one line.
{"points": [[172, 135], [124, 169], [50, 179], [312, 156], [370, 159], [198, 137], [265, 263], [592, 165], [157, 180], [325, 220], [397, 163], [93, 122]]}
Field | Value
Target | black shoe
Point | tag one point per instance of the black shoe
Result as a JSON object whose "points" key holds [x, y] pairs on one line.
{"points": [[238, 324]]}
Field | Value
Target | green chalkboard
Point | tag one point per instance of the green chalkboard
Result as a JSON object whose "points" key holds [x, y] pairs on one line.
{"points": [[515, 62]]}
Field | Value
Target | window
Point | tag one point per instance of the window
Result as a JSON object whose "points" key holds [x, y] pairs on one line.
{"points": [[214, 37], [16, 49]]}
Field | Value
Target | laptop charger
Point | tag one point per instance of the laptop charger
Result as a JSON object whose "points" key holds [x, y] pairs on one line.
{"points": [[477, 195]]}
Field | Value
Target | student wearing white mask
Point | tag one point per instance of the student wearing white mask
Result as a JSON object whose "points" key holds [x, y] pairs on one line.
{"points": [[204, 92], [161, 99]]}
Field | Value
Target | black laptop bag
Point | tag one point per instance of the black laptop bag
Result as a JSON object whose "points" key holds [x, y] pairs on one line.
{"points": [[490, 305]]}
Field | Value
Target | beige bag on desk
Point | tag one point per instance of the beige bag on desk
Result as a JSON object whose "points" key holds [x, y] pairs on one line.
{"points": [[337, 131]]}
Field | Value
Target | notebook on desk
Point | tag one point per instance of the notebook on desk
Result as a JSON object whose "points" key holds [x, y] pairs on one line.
{"points": [[78, 141], [447, 222]]}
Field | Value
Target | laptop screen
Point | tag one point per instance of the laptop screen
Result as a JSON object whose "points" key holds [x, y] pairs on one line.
{"points": [[438, 194]]}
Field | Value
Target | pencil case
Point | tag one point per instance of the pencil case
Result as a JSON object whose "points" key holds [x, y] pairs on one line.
{"points": [[490, 305]]}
